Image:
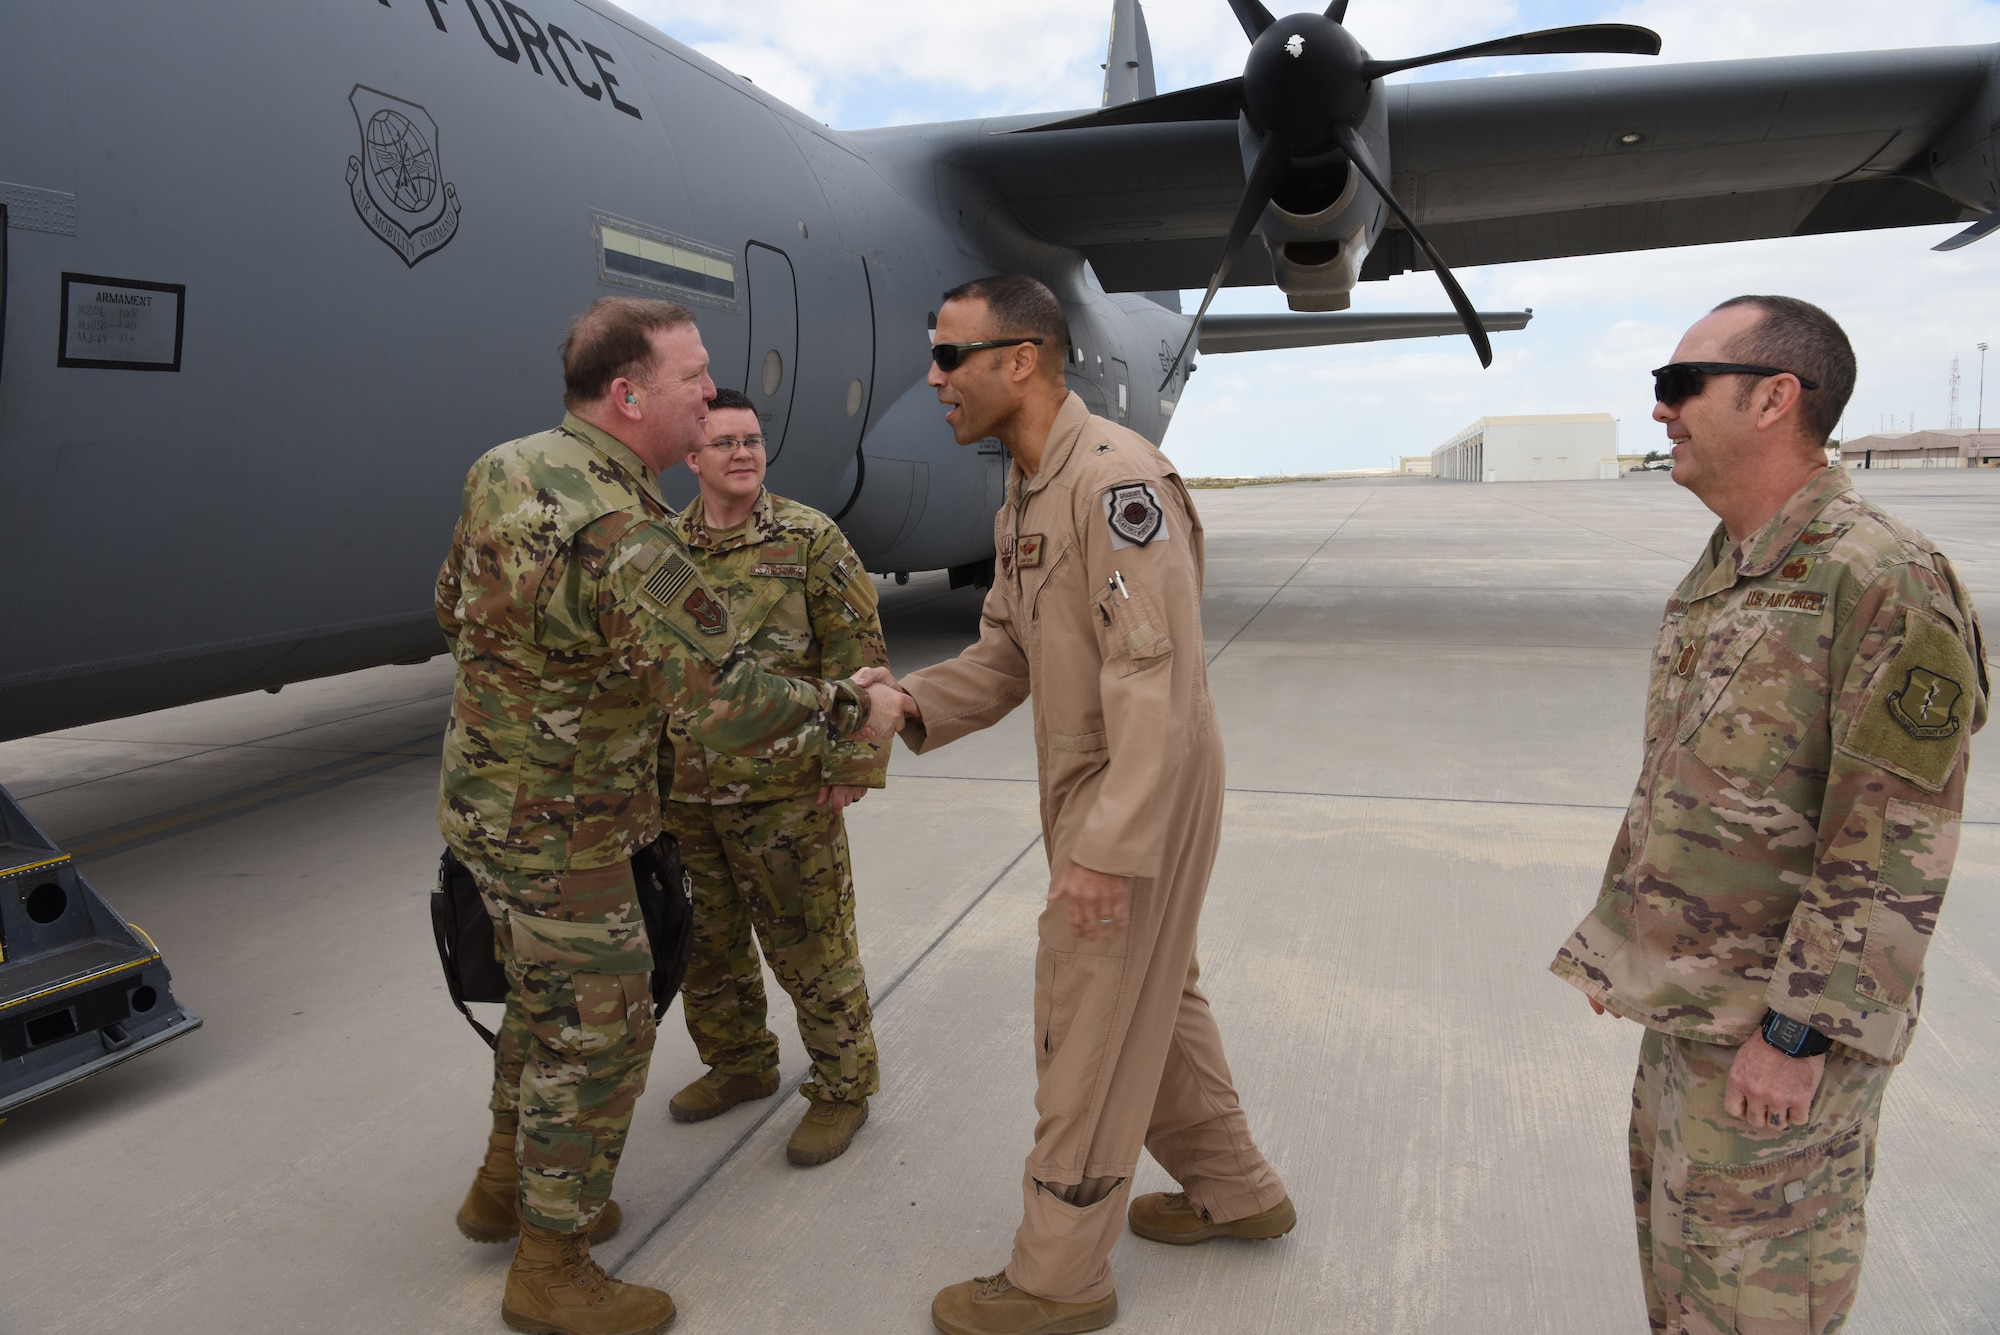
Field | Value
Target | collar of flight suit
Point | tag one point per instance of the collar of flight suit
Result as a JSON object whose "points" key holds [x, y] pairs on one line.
{"points": [[754, 530], [617, 453], [1760, 553], [1070, 421]]}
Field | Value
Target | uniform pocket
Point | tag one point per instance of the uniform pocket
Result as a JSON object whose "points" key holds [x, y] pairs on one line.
{"points": [[580, 947], [1730, 1206], [1077, 999], [1131, 633], [1919, 844], [1760, 702]]}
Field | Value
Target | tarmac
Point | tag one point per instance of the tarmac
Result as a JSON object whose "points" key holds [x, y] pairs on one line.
{"points": [[1431, 698]]}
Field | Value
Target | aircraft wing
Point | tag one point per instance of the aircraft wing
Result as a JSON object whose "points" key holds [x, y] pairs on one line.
{"points": [[1546, 165]]}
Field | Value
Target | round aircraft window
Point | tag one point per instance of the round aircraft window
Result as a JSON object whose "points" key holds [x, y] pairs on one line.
{"points": [[774, 372], [47, 902], [854, 392]]}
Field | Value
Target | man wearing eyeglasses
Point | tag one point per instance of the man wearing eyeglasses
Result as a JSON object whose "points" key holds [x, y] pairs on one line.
{"points": [[1776, 882], [1095, 617], [763, 840]]}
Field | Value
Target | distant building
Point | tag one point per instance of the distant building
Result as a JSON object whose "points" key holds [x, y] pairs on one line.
{"points": [[1952, 447], [1557, 448]]}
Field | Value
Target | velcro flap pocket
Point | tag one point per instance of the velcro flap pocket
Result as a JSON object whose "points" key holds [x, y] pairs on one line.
{"points": [[1919, 844], [1915, 721], [1131, 633], [1727, 1207], [580, 947]]}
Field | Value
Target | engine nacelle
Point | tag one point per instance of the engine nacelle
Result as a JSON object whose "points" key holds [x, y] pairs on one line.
{"points": [[1964, 161], [1320, 224]]}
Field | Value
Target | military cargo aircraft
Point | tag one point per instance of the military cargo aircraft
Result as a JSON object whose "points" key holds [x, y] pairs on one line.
{"points": [[272, 276]]}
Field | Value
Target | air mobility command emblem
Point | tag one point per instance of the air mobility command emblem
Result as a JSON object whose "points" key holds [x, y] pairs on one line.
{"points": [[396, 184], [1134, 513]]}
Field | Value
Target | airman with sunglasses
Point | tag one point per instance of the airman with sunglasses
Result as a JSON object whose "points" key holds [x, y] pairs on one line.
{"points": [[1094, 619], [1776, 882]]}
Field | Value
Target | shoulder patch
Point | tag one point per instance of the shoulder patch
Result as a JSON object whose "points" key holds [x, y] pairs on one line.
{"points": [[1134, 515], [1918, 706], [674, 594]]}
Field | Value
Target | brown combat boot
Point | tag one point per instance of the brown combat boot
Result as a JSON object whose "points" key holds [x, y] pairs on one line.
{"points": [[993, 1306], [1169, 1216], [826, 1131], [554, 1288], [715, 1094], [492, 1209]]}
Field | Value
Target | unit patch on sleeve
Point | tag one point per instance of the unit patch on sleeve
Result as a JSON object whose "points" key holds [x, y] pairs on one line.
{"points": [[1918, 705], [707, 612], [1135, 516]]}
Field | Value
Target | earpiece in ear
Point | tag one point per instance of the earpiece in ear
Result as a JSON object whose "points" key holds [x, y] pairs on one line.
{"points": [[630, 397]]}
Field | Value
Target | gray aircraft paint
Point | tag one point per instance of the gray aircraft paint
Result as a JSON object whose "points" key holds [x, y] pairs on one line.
{"points": [[274, 508]]}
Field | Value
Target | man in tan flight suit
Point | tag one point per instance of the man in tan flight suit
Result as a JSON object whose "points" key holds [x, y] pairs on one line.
{"points": [[1095, 613]]}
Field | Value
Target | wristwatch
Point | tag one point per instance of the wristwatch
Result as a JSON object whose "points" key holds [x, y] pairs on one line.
{"points": [[1794, 1038]]}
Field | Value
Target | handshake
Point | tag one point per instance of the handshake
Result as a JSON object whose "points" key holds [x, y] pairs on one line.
{"points": [[889, 706]]}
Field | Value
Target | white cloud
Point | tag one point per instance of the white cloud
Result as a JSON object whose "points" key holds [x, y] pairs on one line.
{"points": [[1601, 322]]}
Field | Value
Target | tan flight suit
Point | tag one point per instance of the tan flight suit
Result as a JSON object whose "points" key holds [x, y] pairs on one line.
{"points": [[1095, 615]]}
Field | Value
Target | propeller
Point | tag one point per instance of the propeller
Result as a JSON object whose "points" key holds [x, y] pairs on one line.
{"points": [[1304, 92]]}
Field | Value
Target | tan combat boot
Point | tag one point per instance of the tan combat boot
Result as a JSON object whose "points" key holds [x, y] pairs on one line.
{"points": [[993, 1306], [1169, 1216], [554, 1288], [716, 1093], [492, 1209], [825, 1132]]}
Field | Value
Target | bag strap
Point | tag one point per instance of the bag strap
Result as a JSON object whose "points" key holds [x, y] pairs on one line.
{"points": [[444, 927]]}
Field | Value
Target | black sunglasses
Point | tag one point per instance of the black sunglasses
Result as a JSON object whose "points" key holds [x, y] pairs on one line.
{"points": [[1677, 382], [948, 356]]}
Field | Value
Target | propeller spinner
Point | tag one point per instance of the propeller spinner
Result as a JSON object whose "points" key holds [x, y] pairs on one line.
{"points": [[1304, 92]]}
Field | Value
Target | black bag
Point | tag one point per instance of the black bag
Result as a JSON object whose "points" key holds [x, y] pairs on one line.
{"points": [[464, 930], [666, 900], [464, 934]]}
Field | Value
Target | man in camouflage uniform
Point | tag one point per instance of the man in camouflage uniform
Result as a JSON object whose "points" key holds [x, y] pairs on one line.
{"points": [[1779, 874], [578, 622], [763, 840]]}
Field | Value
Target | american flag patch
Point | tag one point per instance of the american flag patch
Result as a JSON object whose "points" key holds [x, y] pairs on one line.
{"points": [[666, 584]]}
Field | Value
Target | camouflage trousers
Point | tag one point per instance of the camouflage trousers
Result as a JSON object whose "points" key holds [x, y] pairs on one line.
{"points": [[1758, 1232], [778, 869], [577, 1035]]}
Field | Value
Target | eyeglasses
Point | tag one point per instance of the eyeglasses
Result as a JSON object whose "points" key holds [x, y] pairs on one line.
{"points": [[948, 356], [1677, 382], [730, 444]]}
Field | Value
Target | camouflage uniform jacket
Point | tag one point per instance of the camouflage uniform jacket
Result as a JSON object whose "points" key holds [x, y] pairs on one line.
{"points": [[578, 621], [1797, 812], [804, 607]]}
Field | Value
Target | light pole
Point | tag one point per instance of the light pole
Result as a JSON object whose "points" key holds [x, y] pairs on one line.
{"points": [[1982, 389]]}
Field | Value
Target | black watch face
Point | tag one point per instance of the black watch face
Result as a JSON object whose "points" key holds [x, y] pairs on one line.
{"points": [[1787, 1033]]}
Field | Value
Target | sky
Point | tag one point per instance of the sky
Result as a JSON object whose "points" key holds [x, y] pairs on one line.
{"points": [[1601, 322]]}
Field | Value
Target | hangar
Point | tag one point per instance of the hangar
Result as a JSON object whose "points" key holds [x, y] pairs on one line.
{"points": [[1563, 447], [1949, 447]]}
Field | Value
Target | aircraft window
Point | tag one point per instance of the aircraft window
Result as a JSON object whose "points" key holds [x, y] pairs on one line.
{"points": [[633, 255], [774, 372]]}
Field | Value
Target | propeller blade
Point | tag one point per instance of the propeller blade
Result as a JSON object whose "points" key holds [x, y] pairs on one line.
{"points": [[1475, 328], [1621, 39], [1265, 174], [1209, 102], [1337, 11], [1253, 16], [1970, 234]]}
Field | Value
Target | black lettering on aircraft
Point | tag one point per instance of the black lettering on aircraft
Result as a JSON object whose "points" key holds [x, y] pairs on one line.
{"points": [[524, 23], [556, 39], [600, 58], [511, 53], [520, 34]]}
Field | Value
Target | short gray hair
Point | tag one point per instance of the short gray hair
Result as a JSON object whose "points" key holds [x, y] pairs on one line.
{"points": [[1799, 337]]}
